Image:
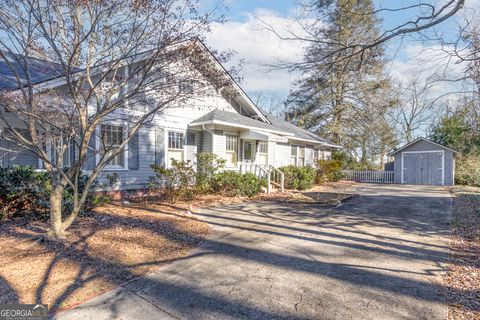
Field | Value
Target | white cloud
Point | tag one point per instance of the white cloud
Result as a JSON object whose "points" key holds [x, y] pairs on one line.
{"points": [[259, 47], [434, 62]]}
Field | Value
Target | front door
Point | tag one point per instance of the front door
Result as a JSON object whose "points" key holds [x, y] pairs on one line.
{"points": [[249, 151]]}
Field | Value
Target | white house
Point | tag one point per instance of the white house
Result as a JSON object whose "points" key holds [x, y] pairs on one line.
{"points": [[227, 124]]}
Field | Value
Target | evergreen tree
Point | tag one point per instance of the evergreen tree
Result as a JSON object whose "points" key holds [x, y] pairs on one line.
{"points": [[345, 98]]}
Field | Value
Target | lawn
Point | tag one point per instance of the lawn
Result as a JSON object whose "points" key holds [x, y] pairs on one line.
{"points": [[463, 276]]}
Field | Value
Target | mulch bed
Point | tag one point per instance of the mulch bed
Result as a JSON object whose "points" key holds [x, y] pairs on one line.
{"points": [[463, 277], [110, 247]]}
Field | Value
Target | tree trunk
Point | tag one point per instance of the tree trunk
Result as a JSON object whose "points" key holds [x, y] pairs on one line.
{"points": [[56, 230]]}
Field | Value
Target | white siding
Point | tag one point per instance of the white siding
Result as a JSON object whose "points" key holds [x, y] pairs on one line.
{"points": [[271, 153], [219, 143], [282, 154]]}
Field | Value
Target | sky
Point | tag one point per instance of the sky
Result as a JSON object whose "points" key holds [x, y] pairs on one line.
{"points": [[244, 33]]}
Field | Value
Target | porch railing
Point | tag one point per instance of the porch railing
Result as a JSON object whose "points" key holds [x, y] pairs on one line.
{"points": [[372, 176], [268, 172]]}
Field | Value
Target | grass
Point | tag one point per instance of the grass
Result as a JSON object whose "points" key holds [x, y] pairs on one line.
{"points": [[463, 276]]}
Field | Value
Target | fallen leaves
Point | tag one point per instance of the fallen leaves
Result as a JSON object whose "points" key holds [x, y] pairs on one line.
{"points": [[463, 277]]}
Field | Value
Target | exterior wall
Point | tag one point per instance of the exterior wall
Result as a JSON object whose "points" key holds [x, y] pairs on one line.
{"points": [[219, 143], [282, 154], [421, 145], [207, 142], [271, 153]]}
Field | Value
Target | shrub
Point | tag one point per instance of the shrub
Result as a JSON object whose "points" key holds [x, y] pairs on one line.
{"points": [[233, 183], [467, 170], [299, 178], [24, 189], [208, 164], [329, 170], [175, 182]]}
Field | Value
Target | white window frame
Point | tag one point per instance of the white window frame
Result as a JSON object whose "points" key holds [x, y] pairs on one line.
{"points": [[254, 155], [167, 148], [296, 154], [403, 153], [110, 167], [235, 152], [262, 153]]}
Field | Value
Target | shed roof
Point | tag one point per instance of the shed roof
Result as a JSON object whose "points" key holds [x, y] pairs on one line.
{"points": [[418, 140]]}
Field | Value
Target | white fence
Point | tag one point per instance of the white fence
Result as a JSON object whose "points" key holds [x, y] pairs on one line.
{"points": [[373, 176]]}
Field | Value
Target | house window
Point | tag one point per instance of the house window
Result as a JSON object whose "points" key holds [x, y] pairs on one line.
{"points": [[231, 150], [186, 86], [175, 146], [316, 156], [111, 137], [301, 156], [263, 152], [293, 155]]}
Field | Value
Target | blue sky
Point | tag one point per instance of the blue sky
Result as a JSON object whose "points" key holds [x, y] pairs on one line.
{"points": [[257, 47]]}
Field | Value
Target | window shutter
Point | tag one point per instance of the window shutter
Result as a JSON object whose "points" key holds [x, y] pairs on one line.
{"points": [[133, 154], [160, 147], [91, 154]]}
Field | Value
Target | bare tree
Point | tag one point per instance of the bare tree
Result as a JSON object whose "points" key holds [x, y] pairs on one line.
{"points": [[415, 108], [270, 103], [309, 27], [113, 61]]}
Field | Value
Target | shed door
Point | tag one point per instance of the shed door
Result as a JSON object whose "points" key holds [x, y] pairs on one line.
{"points": [[423, 168]]}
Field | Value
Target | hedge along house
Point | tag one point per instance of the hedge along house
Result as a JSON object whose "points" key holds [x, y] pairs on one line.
{"points": [[225, 122], [424, 162]]}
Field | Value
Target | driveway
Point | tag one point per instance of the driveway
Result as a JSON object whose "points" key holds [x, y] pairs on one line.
{"points": [[377, 256]]}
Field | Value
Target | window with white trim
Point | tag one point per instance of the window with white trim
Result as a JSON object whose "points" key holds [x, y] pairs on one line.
{"points": [[293, 155], [263, 152], [231, 147], [111, 137], [186, 86], [301, 156], [175, 146]]}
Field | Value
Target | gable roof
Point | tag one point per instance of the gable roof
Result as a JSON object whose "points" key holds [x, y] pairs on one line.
{"points": [[39, 70], [277, 126], [418, 140], [298, 132], [42, 72]]}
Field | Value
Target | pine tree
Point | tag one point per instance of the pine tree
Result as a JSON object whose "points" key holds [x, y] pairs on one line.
{"points": [[342, 94]]}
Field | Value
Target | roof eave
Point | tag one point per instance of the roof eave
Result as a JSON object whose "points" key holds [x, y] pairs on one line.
{"points": [[236, 125], [418, 139]]}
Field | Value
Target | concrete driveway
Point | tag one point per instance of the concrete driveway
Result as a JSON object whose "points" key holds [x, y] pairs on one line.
{"points": [[377, 256]]}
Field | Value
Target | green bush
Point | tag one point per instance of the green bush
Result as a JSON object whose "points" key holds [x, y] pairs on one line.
{"points": [[23, 189], [176, 183], [299, 178], [329, 170], [467, 170], [233, 183], [208, 164]]}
